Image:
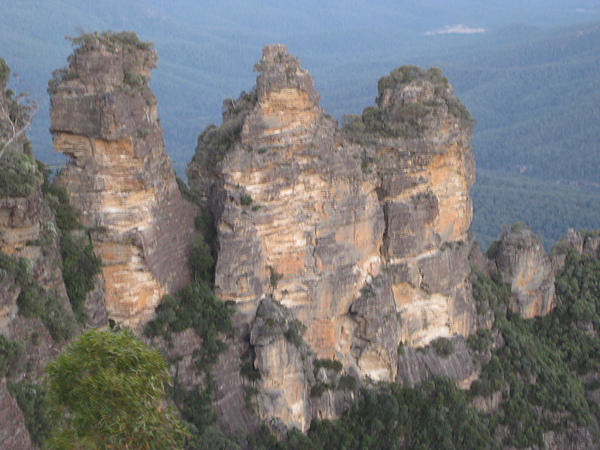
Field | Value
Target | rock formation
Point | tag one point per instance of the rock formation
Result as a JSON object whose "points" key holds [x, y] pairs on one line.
{"points": [[104, 118], [13, 434], [524, 264], [35, 313], [357, 236]]}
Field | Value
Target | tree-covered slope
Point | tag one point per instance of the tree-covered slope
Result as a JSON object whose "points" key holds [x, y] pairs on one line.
{"points": [[536, 104]]}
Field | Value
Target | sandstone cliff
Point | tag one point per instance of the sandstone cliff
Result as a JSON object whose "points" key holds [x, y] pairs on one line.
{"points": [[360, 235], [104, 118]]}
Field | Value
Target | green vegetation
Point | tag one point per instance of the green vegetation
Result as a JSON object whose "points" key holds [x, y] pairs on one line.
{"points": [[80, 264], [106, 391], [78, 259], [58, 76], [535, 364], [198, 308], [79, 267], [406, 120], [444, 347], [328, 377], [533, 369], [274, 277], [568, 327], [194, 307], [215, 141], [19, 174], [12, 356], [245, 200], [547, 208], [34, 301], [4, 71], [327, 364], [113, 40], [407, 74], [481, 341], [522, 126], [187, 194], [31, 399], [294, 333], [248, 371], [201, 261], [56, 197], [200, 418], [434, 415], [135, 81]]}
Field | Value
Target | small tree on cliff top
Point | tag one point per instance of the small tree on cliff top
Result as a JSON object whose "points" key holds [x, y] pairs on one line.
{"points": [[16, 113], [106, 391]]}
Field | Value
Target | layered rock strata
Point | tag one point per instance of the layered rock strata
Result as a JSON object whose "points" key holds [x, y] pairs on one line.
{"points": [[104, 118], [358, 237], [417, 140]]}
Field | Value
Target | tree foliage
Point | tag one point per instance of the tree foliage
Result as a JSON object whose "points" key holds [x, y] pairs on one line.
{"points": [[80, 264], [19, 174], [106, 390], [434, 415], [32, 402], [214, 142], [34, 300]]}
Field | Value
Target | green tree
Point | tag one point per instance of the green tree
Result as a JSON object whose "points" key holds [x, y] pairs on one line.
{"points": [[106, 390]]}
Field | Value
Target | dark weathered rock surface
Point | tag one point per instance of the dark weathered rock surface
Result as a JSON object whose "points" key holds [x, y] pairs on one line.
{"points": [[415, 366], [13, 434]]}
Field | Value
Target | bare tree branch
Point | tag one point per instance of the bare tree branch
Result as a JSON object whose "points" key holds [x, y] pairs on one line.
{"points": [[13, 126]]}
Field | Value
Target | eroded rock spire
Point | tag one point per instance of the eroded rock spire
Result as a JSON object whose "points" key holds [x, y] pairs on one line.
{"points": [[104, 118]]}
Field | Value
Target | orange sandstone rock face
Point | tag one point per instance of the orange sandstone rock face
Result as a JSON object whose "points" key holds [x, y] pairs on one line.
{"points": [[355, 239], [104, 118]]}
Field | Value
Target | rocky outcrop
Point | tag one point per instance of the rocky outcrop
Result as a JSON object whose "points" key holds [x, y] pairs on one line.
{"points": [[525, 265], [417, 365], [28, 230], [587, 243], [418, 141], [575, 438], [104, 118], [13, 434], [35, 312], [359, 234], [27, 225]]}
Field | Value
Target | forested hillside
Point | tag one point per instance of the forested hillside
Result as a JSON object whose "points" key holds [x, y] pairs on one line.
{"points": [[537, 141], [533, 89], [536, 104]]}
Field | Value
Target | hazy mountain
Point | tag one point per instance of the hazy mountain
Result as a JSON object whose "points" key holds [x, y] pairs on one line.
{"points": [[532, 89]]}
